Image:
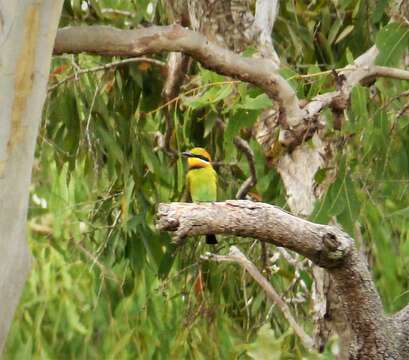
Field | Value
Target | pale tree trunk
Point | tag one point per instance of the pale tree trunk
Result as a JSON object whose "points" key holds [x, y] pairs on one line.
{"points": [[27, 32]]}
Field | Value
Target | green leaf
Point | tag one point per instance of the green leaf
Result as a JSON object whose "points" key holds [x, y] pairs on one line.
{"points": [[317, 84], [291, 76], [379, 11], [167, 260], [266, 345], [401, 212], [334, 30], [112, 146], [349, 56], [359, 103], [210, 121], [391, 41], [214, 95], [150, 159], [344, 33], [241, 119], [258, 103]]}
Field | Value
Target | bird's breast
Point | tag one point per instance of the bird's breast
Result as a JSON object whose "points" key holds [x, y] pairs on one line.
{"points": [[202, 184]]}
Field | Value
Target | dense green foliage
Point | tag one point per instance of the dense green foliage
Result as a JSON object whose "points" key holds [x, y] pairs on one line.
{"points": [[106, 285]]}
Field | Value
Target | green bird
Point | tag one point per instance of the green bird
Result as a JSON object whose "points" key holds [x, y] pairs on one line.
{"points": [[201, 180]]}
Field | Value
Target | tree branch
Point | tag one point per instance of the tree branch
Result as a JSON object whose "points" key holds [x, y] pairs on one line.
{"points": [[235, 255], [375, 336], [301, 123], [389, 72], [106, 40], [325, 245]]}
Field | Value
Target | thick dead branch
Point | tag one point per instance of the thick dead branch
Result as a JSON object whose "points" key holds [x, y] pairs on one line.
{"points": [[235, 255], [251, 181], [106, 40], [325, 245], [374, 335]]}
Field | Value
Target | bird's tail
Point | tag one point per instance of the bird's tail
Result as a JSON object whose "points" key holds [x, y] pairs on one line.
{"points": [[211, 239]]}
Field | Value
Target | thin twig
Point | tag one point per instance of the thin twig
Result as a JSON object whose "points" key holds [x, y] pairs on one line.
{"points": [[402, 111], [107, 272], [235, 255], [87, 127], [390, 72], [106, 67], [110, 11], [251, 181]]}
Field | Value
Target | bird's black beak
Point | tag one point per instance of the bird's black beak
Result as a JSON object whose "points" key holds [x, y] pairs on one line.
{"points": [[187, 154]]}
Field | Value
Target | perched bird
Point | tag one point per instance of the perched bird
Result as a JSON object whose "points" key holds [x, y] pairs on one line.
{"points": [[201, 180]]}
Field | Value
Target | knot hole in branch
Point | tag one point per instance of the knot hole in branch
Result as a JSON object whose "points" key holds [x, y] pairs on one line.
{"points": [[333, 252]]}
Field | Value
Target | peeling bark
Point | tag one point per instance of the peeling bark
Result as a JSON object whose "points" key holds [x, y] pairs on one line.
{"points": [[26, 41]]}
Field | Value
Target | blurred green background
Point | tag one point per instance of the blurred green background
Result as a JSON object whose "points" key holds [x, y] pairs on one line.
{"points": [[105, 283]]}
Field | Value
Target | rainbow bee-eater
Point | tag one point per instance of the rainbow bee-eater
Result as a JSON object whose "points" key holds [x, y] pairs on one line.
{"points": [[201, 180]]}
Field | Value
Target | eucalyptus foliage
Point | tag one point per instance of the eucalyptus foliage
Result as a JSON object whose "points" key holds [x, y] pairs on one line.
{"points": [[107, 285]]}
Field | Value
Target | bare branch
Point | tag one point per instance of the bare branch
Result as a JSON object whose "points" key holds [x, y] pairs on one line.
{"points": [[325, 245], [106, 40], [389, 72], [251, 181], [363, 68], [235, 255], [106, 67]]}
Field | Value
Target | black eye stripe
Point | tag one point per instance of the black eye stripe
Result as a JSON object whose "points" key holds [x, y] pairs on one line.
{"points": [[201, 157]]}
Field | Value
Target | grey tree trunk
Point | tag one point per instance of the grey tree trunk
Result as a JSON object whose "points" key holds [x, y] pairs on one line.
{"points": [[27, 32]]}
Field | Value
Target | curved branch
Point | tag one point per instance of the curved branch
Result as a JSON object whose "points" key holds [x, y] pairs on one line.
{"points": [[105, 40], [361, 70], [325, 245]]}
